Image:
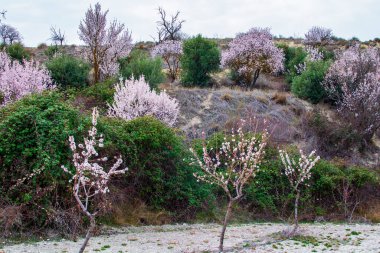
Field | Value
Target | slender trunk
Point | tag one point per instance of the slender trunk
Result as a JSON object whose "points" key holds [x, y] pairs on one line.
{"points": [[255, 77], [88, 235], [226, 218], [296, 212]]}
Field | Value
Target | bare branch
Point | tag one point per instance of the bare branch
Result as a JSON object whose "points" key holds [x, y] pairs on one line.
{"points": [[168, 28], [57, 36]]}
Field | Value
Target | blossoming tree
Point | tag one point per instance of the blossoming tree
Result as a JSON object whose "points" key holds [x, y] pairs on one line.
{"points": [[105, 45], [170, 51], [353, 83], [90, 180], [318, 36], [231, 166], [298, 172], [18, 80], [251, 53], [134, 98]]}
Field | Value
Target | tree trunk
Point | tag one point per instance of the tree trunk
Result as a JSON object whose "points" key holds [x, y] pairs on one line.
{"points": [[226, 218], [296, 212], [88, 235], [255, 77]]}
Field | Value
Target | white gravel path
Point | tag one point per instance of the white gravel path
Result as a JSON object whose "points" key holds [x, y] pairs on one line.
{"points": [[204, 238]]}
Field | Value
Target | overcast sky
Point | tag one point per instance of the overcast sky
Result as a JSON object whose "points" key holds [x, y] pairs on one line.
{"points": [[211, 18]]}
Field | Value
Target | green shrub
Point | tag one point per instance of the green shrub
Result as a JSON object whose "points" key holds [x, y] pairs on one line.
{"points": [[68, 71], [33, 137], [102, 92], [17, 52], [308, 85], [200, 57], [51, 51], [139, 63], [155, 155], [293, 57]]}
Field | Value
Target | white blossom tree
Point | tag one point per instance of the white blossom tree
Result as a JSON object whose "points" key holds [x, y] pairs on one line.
{"points": [[134, 98], [90, 180], [18, 80], [171, 52], [298, 172], [231, 166], [105, 45], [318, 36], [252, 53], [353, 83]]}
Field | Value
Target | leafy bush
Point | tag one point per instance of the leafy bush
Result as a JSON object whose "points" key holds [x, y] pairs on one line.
{"points": [[51, 51], [139, 63], [154, 154], [33, 145], [68, 71], [294, 56], [17, 52], [308, 85], [200, 57], [102, 92]]}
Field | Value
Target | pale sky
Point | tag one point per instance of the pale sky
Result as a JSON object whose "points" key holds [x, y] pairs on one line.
{"points": [[211, 18]]}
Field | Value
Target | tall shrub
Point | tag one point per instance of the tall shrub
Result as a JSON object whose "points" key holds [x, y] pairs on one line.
{"points": [[67, 71], [200, 57]]}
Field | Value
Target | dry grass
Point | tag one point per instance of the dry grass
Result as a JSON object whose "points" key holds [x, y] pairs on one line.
{"points": [[280, 98]]}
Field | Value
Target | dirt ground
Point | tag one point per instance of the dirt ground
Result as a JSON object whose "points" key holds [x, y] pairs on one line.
{"points": [[264, 237]]}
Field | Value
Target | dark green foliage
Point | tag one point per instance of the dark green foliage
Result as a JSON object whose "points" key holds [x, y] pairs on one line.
{"points": [[200, 57], [68, 71], [308, 85], [155, 155], [51, 51], [33, 136], [101, 92], [293, 57], [139, 63], [17, 52]]}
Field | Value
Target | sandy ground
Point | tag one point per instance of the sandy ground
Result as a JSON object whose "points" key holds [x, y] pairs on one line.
{"points": [[204, 238]]}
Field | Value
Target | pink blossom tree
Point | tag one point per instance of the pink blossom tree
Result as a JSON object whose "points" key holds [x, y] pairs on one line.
{"points": [[251, 53], [134, 98], [318, 36], [353, 83], [171, 52], [105, 45], [298, 172], [231, 166], [90, 180], [18, 80]]}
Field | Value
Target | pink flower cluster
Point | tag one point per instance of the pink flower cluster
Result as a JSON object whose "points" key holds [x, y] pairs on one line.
{"points": [[298, 171], [134, 98], [18, 80], [90, 178], [233, 164], [251, 51], [353, 81], [318, 36], [170, 51]]}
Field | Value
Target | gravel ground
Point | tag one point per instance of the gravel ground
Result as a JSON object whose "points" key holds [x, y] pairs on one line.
{"points": [[204, 238]]}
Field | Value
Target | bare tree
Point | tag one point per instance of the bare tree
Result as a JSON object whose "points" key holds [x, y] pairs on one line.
{"points": [[57, 36], [2, 14], [169, 28], [9, 34]]}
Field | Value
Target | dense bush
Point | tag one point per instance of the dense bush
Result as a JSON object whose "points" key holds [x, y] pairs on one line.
{"points": [[200, 57], [68, 71], [139, 63], [308, 85], [33, 145], [17, 52], [51, 51], [154, 154], [294, 56], [102, 92]]}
